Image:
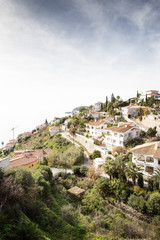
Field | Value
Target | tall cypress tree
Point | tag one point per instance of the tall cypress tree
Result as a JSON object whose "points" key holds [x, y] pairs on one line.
{"points": [[112, 98], [106, 101]]}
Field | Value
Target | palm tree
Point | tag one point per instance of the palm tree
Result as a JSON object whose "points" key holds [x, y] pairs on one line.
{"points": [[132, 171], [118, 98], [110, 167], [115, 168], [120, 167]]}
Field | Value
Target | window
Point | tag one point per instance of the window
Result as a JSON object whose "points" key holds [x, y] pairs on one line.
{"points": [[149, 159], [121, 135], [120, 142], [115, 134], [158, 162], [140, 158], [149, 170], [129, 134]]}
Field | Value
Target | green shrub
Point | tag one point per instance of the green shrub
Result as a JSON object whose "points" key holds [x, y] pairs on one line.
{"points": [[151, 132], [69, 214], [83, 170], [25, 229], [97, 142], [96, 154], [156, 220], [138, 203], [76, 170], [124, 195], [46, 172], [153, 204], [80, 170]]}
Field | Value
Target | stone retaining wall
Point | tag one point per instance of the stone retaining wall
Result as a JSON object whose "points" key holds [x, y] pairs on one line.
{"points": [[90, 146], [131, 212]]}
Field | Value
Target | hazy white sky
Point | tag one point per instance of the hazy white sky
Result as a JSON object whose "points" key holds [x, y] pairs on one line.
{"points": [[56, 55]]}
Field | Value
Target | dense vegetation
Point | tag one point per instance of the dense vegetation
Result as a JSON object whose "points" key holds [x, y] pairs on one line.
{"points": [[34, 206], [68, 158], [127, 185]]}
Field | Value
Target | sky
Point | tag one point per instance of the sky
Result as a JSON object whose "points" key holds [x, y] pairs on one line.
{"points": [[56, 55]]}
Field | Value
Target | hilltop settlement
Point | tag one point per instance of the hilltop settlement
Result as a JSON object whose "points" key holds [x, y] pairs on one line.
{"points": [[92, 174]]}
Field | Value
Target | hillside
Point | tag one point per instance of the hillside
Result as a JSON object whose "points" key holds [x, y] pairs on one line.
{"points": [[42, 139], [36, 207]]}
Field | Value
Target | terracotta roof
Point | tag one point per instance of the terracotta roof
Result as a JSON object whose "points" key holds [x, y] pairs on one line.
{"points": [[54, 128], [35, 152], [152, 149], [41, 152], [137, 107], [25, 157], [97, 123], [22, 161], [8, 144], [153, 94], [152, 91], [120, 129], [13, 141]]}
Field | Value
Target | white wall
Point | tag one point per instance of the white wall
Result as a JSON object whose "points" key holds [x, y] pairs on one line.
{"points": [[4, 163]]}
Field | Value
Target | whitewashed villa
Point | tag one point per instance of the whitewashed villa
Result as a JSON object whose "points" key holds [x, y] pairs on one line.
{"points": [[96, 128], [147, 157], [117, 135]]}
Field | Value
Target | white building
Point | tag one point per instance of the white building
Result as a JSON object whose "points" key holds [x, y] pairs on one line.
{"points": [[96, 128], [98, 162], [41, 127], [150, 93], [132, 111], [66, 123], [4, 163], [98, 106], [64, 126], [10, 144], [147, 157], [117, 135], [94, 115], [54, 130]]}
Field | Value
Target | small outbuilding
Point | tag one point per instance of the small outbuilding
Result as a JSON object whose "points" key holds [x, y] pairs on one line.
{"points": [[76, 192]]}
